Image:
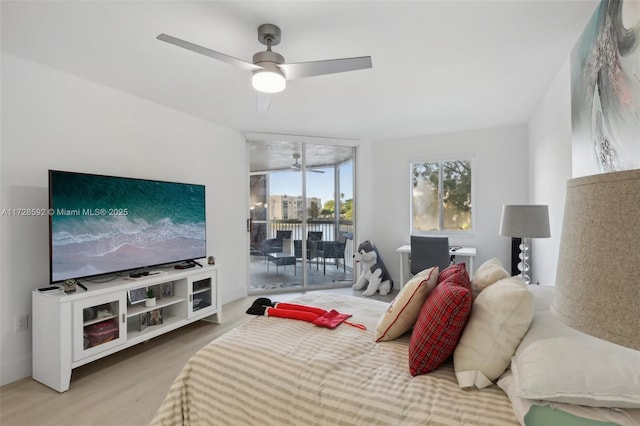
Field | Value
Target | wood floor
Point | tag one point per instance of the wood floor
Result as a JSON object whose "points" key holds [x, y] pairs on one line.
{"points": [[125, 388]]}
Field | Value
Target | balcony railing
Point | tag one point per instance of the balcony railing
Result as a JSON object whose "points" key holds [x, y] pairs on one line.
{"points": [[327, 226]]}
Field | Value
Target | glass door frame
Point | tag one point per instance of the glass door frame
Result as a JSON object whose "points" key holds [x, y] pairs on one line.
{"points": [[304, 141]]}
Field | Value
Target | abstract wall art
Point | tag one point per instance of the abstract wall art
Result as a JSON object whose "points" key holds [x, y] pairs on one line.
{"points": [[605, 91]]}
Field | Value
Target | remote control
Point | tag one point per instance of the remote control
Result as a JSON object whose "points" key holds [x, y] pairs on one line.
{"points": [[51, 288]]}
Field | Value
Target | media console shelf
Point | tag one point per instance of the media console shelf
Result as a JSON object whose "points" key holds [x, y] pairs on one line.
{"points": [[70, 330]]}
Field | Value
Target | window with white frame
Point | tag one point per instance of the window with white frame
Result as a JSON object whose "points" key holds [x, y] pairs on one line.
{"points": [[441, 197]]}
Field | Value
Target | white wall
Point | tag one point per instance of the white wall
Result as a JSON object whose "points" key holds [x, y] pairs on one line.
{"points": [[500, 176], [550, 167], [51, 120]]}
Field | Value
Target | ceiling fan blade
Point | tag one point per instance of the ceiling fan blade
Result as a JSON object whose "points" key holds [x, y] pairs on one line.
{"points": [[263, 101], [298, 167], [247, 66], [331, 66]]}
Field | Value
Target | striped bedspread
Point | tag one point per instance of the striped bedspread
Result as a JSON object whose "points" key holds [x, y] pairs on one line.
{"points": [[274, 371]]}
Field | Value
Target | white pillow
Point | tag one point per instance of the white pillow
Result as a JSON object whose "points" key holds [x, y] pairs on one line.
{"points": [[500, 316], [403, 311], [524, 409], [488, 273], [555, 362]]}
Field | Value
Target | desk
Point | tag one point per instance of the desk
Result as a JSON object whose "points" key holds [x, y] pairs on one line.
{"points": [[405, 251]]}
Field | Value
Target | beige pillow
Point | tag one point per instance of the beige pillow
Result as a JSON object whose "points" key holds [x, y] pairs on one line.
{"points": [[488, 273], [403, 311], [500, 317]]}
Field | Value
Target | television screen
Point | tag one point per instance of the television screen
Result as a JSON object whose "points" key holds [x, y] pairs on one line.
{"points": [[104, 224]]}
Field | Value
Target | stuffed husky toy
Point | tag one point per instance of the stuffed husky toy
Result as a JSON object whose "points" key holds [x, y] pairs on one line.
{"points": [[374, 274]]}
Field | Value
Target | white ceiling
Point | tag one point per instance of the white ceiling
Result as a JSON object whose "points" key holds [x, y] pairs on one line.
{"points": [[438, 66]]}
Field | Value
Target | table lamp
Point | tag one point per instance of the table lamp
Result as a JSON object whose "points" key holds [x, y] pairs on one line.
{"points": [[597, 281], [525, 221]]}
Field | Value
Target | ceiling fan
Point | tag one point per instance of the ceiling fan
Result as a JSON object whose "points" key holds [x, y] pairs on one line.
{"points": [[270, 72], [296, 165]]}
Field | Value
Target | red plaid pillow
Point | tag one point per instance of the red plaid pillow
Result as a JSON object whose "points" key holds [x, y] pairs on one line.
{"points": [[450, 270], [456, 274], [439, 327]]}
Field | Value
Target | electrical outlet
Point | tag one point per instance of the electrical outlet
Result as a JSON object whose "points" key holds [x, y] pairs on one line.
{"points": [[21, 323]]}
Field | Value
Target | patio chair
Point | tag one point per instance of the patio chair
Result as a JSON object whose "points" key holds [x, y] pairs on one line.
{"points": [[333, 250], [257, 239], [313, 237], [276, 245]]}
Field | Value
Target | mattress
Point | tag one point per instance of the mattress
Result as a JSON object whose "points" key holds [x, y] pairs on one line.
{"points": [[275, 371]]}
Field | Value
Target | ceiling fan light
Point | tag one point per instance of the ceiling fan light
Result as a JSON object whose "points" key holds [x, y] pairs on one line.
{"points": [[268, 81]]}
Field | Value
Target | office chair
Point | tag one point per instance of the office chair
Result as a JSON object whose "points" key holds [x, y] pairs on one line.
{"points": [[427, 252]]}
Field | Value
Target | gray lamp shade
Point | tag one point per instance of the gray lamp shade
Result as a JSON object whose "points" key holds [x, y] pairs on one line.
{"points": [[525, 221], [598, 276]]}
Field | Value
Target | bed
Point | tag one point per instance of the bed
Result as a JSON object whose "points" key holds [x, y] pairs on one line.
{"points": [[274, 371]]}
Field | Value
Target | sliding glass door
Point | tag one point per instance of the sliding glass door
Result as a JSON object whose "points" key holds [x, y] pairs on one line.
{"points": [[300, 215]]}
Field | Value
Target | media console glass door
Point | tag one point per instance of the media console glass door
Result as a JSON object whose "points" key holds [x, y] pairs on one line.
{"points": [[202, 298], [101, 326]]}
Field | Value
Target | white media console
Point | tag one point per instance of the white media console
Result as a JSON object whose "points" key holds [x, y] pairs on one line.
{"points": [[70, 330]]}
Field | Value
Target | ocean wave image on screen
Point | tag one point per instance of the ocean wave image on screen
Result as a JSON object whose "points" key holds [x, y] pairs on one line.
{"points": [[104, 224]]}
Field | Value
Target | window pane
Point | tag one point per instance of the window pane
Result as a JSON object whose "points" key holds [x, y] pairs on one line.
{"points": [[456, 179], [425, 196], [258, 195], [441, 196]]}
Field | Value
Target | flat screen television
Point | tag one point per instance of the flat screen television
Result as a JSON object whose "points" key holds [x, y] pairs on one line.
{"points": [[107, 224]]}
